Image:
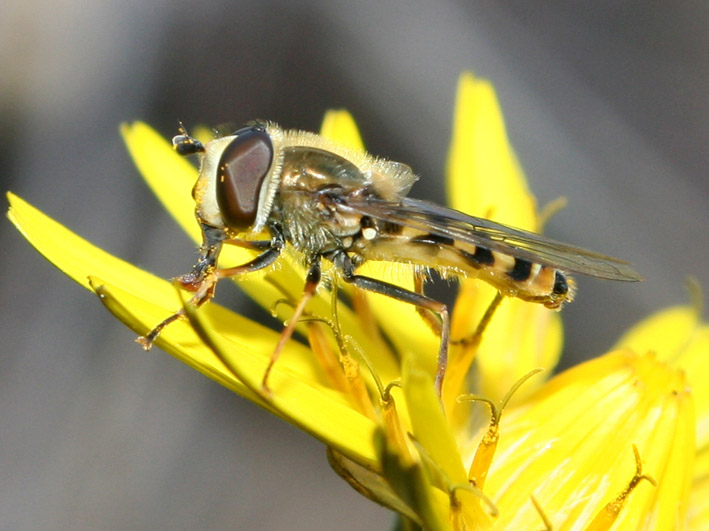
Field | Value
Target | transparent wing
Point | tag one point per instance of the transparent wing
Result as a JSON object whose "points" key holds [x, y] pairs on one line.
{"points": [[445, 222]]}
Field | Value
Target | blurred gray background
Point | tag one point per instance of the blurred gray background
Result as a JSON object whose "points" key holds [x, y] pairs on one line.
{"points": [[606, 103]]}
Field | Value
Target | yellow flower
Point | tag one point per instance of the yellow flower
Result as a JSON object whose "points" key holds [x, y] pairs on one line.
{"points": [[608, 443]]}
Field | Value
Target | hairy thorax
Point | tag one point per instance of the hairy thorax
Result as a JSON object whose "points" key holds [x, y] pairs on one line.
{"points": [[306, 207]]}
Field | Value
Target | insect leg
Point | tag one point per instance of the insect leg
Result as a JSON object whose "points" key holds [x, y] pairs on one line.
{"points": [[212, 241], [204, 277], [433, 323], [476, 336], [263, 260], [343, 262], [311, 283], [257, 245]]}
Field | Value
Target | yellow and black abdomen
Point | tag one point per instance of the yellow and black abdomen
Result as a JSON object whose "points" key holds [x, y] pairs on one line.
{"points": [[513, 276]]}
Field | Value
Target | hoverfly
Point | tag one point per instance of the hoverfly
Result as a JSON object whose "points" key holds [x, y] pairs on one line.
{"points": [[345, 206]]}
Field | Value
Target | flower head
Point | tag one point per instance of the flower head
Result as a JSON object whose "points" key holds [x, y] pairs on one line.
{"points": [[610, 442]]}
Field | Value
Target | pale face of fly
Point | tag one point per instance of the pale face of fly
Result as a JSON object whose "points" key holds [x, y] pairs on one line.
{"points": [[331, 202]]}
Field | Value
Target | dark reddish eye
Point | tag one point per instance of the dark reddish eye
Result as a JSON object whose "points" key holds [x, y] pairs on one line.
{"points": [[242, 168]]}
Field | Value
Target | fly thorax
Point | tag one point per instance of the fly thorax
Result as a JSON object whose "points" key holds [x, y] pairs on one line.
{"points": [[314, 183], [311, 225]]}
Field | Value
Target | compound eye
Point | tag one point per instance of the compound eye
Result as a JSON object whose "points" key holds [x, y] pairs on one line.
{"points": [[242, 168]]}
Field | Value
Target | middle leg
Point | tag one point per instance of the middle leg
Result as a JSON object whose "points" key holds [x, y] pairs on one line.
{"points": [[345, 265], [311, 284]]}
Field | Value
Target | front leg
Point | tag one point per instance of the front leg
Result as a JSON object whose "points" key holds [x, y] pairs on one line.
{"points": [[203, 278], [212, 241]]}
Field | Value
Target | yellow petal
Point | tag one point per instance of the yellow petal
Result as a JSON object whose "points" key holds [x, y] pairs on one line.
{"points": [[412, 484], [570, 446], [432, 433], [78, 258], [520, 337], [168, 174], [666, 333], [698, 516], [326, 414], [429, 425], [483, 175], [400, 321], [370, 483], [338, 125], [678, 336], [484, 179], [179, 339]]}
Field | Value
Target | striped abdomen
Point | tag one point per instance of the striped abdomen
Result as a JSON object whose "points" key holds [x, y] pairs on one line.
{"points": [[513, 276]]}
